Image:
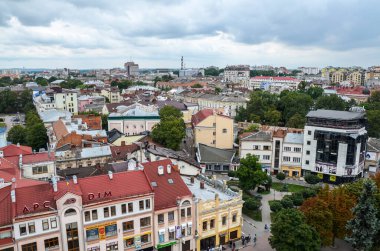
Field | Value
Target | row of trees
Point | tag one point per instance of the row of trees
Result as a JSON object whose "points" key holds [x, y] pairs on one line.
{"points": [[348, 212], [33, 134], [288, 108], [12, 102]]}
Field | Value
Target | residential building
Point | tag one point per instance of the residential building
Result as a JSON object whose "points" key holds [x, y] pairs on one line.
{"points": [[219, 212], [273, 84], [48, 117], [112, 94], [237, 74], [191, 73], [309, 70], [126, 152], [21, 161], [56, 98], [132, 69], [92, 121], [372, 157], [338, 76], [88, 103], [356, 78], [213, 129], [83, 157], [183, 84], [291, 164], [174, 209], [334, 145], [372, 73], [214, 159], [133, 119], [226, 103]]}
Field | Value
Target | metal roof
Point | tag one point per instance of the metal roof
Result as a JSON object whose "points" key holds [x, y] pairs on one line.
{"points": [[333, 114]]}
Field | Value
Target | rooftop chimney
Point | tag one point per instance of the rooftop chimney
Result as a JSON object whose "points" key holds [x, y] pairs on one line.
{"points": [[13, 196], [192, 179], [18, 144], [20, 160], [122, 143], [75, 179], [160, 170], [169, 168], [55, 186], [202, 184], [110, 175], [1, 154]]}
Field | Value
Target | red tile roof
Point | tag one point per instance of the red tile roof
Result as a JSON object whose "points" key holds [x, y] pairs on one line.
{"points": [[93, 122], [60, 129], [121, 152], [92, 189], [165, 194], [6, 241], [14, 150], [5, 206], [200, 116]]}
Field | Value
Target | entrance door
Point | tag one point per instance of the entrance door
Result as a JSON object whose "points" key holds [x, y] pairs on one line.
{"points": [[223, 240], [208, 243], [72, 236], [186, 246]]}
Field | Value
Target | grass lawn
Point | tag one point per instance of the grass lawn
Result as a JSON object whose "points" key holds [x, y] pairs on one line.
{"points": [[253, 214], [291, 187]]}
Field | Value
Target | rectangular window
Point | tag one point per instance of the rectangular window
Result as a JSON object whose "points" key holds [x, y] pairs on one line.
{"points": [[130, 207], [161, 218], [255, 147], [31, 228], [183, 213], [22, 229], [296, 160], [113, 210], [224, 130], [145, 222], [188, 212], [106, 212], [87, 216], [39, 169], [204, 226], [128, 226], [129, 242], [123, 208], [147, 204], [212, 224], [171, 235], [297, 149], [234, 217], [53, 223], [29, 247], [267, 148], [286, 158], [141, 205], [224, 220], [287, 149], [171, 216], [188, 229], [45, 224], [266, 157], [308, 132], [145, 238], [307, 162], [307, 152], [308, 142], [94, 214], [51, 243], [214, 133]]}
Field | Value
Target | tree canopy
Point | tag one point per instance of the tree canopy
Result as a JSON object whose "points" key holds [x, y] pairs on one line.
{"points": [[170, 131], [250, 173], [331, 102]]}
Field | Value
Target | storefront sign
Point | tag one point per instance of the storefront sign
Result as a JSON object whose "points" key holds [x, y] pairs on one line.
{"points": [[35, 206], [99, 195], [178, 232], [138, 242], [168, 244], [102, 233]]}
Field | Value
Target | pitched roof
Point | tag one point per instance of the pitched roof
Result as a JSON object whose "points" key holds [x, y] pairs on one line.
{"points": [[60, 129], [258, 136], [165, 194], [15, 150], [210, 154], [373, 145], [200, 116], [121, 152], [5, 206], [93, 122]]}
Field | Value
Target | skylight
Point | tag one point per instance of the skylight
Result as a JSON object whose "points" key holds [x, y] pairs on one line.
{"points": [[170, 181]]}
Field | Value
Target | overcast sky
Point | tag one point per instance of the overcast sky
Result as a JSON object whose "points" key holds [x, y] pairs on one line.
{"points": [[106, 33]]}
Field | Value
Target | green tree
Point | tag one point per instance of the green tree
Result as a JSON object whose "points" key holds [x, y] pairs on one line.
{"points": [[71, 83], [42, 81], [296, 121], [302, 86], [250, 173], [291, 233], [272, 117], [295, 103], [36, 134], [331, 102], [170, 131], [365, 224], [197, 85], [52, 79], [315, 92], [8, 102], [373, 117], [17, 134], [211, 71], [217, 90]]}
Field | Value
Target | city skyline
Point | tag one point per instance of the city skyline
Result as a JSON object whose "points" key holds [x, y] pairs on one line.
{"points": [[96, 34]]}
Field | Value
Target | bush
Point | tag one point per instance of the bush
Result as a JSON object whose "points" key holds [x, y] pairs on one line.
{"points": [[280, 176], [284, 188], [308, 193], [297, 199], [231, 174], [275, 205], [311, 179], [252, 204], [246, 196], [287, 202]]}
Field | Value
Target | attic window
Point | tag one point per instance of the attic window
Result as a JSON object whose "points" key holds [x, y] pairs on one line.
{"points": [[154, 184], [170, 181]]}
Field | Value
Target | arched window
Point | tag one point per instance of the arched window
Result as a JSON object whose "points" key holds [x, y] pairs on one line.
{"points": [[186, 203], [70, 212]]}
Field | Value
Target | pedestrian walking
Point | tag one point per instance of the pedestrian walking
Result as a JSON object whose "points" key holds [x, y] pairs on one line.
{"points": [[230, 244], [249, 238], [266, 227], [254, 240]]}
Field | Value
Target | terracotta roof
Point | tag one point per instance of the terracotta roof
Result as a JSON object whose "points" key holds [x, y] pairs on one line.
{"points": [[200, 116], [6, 241], [121, 152], [123, 184], [93, 122], [14, 150], [5, 206], [60, 129], [165, 194]]}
